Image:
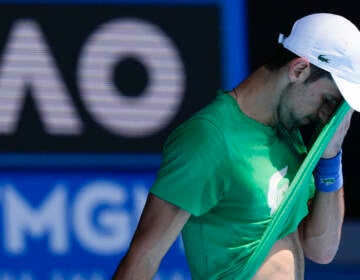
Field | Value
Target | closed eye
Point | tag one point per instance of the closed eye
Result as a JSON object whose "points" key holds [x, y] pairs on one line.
{"points": [[330, 101]]}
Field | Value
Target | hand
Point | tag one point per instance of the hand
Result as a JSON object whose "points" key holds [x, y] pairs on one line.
{"points": [[335, 143]]}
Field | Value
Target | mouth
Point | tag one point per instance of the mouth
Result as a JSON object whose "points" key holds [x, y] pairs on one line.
{"points": [[306, 121], [310, 119]]}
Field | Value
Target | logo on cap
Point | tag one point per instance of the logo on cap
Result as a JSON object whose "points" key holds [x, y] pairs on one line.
{"points": [[323, 58]]}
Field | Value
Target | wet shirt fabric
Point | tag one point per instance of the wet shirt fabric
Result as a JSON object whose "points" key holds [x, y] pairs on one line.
{"points": [[231, 173]]}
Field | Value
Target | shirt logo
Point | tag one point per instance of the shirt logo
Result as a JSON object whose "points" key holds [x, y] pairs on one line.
{"points": [[323, 58], [276, 190]]}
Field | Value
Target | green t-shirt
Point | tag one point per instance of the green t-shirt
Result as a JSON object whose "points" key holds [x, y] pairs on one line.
{"points": [[231, 173]]}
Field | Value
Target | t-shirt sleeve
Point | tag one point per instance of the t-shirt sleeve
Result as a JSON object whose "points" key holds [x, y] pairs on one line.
{"points": [[193, 167]]}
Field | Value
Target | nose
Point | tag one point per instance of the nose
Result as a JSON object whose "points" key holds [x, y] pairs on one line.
{"points": [[323, 116]]}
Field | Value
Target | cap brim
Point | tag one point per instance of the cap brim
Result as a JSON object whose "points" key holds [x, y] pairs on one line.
{"points": [[350, 91]]}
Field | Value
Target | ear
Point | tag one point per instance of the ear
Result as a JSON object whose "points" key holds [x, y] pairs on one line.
{"points": [[299, 69]]}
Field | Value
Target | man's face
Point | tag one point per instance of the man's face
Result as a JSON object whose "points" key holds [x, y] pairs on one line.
{"points": [[303, 103]]}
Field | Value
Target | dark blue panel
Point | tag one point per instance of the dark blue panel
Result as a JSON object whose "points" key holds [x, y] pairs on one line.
{"points": [[63, 223]]}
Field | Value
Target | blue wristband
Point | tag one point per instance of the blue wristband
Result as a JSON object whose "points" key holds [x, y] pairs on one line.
{"points": [[328, 174]]}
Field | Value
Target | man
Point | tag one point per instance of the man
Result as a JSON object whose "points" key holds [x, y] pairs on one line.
{"points": [[225, 171]]}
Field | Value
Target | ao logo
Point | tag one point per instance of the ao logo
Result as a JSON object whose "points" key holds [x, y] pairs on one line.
{"points": [[276, 190], [27, 62]]}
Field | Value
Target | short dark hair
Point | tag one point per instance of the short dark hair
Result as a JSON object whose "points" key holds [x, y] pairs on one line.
{"points": [[282, 56]]}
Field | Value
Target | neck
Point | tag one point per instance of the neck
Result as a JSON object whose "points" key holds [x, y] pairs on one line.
{"points": [[258, 96]]}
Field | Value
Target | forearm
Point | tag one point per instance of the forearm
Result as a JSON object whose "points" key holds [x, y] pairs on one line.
{"points": [[136, 266], [322, 228], [159, 226], [145, 254]]}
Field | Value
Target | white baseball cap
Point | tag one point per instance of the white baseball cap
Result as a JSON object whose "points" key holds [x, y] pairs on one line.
{"points": [[331, 42]]}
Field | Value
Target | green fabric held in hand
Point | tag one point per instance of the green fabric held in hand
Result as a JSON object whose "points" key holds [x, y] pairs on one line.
{"points": [[302, 177]]}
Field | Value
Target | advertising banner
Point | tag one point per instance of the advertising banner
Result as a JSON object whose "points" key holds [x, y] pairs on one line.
{"points": [[103, 78], [73, 225], [89, 91]]}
